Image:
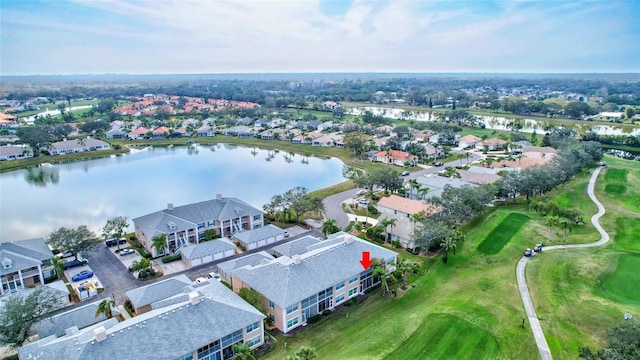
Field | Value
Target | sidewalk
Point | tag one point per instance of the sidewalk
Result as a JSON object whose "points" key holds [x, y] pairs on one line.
{"points": [[368, 220]]}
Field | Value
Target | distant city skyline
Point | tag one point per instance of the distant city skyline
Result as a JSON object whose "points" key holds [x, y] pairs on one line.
{"points": [[194, 37]]}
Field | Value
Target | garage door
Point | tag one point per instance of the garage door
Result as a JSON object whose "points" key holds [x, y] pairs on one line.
{"points": [[207, 259], [195, 262], [271, 240], [251, 246], [262, 242], [217, 256], [229, 253]]}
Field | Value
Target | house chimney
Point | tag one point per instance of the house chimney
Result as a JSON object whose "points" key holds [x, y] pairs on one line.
{"points": [[170, 206], [218, 196], [194, 297], [100, 333]]}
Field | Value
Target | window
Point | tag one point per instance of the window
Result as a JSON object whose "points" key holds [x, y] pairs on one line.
{"points": [[201, 226], [188, 356], [211, 223], [256, 217], [292, 308], [339, 286], [353, 291], [271, 305], [293, 322], [209, 349], [252, 327], [232, 338], [339, 298], [253, 342], [353, 279]]}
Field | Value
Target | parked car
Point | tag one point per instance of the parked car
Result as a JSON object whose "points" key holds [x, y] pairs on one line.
{"points": [[537, 248], [213, 275], [361, 192], [126, 252], [75, 263], [200, 280], [439, 163], [113, 242], [528, 253], [363, 201], [66, 254], [82, 275], [405, 173]]}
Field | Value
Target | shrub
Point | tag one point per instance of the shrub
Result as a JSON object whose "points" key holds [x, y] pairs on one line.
{"points": [[314, 319], [326, 312], [372, 209], [396, 244], [353, 301], [170, 258], [227, 284], [144, 253]]}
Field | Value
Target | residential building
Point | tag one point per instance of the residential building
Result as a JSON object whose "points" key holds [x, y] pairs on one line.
{"points": [[395, 157], [491, 144], [402, 231], [72, 320], [468, 141], [319, 277], [437, 184], [143, 297], [240, 131], [432, 152], [477, 177], [202, 321], [74, 146], [259, 237], [226, 268], [160, 133], [206, 130], [12, 152], [328, 140], [116, 133], [185, 225], [394, 204], [138, 133], [25, 263], [208, 251]]}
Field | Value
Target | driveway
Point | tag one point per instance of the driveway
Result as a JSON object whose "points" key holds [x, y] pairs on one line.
{"points": [[114, 275]]}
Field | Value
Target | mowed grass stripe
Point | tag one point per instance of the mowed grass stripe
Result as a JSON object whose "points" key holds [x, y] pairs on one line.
{"points": [[500, 236], [623, 282], [615, 189], [616, 175], [627, 238], [444, 336]]}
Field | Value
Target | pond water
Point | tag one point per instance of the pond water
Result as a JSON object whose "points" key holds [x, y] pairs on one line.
{"points": [[37, 200], [499, 122]]}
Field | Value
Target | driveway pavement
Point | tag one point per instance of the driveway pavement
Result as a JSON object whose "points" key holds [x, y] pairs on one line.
{"points": [[538, 334]]}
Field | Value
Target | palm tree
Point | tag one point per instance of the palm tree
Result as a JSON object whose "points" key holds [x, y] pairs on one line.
{"points": [[380, 271], [407, 266], [423, 191], [242, 352], [552, 220], [388, 154], [388, 222], [564, 222], [159, 243], [448, 244], [467, 155], [329, 227], [58, 266], [306, 353], [105, 308], [416, 218], [413, 184]]}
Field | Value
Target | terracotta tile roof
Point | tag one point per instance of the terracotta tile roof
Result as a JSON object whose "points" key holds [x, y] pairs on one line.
{"points": [[396, 154], [408, 206], [161, 130]]}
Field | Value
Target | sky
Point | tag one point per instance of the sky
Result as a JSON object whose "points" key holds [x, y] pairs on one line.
{"points": [[265, 36]]}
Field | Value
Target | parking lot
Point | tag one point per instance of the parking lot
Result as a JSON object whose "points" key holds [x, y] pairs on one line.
{"points": [[86, 287]]}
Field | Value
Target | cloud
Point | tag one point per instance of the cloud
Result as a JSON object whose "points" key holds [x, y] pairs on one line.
{"points": [[286, 36]]}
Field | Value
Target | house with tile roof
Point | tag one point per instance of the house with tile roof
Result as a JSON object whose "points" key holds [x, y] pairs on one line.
{"points": [[24, 263], [160, 132], [395, 157], [185, 225], [74, 146], [138, 133], [491, 144], [477, 177], [394, 204], [469, 141], [12, 152], [321, 276], [202, 321], [259, 237]]}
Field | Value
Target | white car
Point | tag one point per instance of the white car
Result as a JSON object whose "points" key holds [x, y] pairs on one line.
{"points": [[200, 280], [363, 201], [361, 192]]}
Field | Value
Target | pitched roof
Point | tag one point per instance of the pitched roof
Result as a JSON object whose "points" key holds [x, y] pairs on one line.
{"points": [[80, 317], [139, 131], [251, 259], [23, 254], [161, 130], [408, 206], [295, 247], [469, 139], [284, 282], [147, 295], [75, 144], [521, 164], [207, 248], [220, 312], [261, 233], [478, 177], [395, 154], [494, 142], [12, 150]]}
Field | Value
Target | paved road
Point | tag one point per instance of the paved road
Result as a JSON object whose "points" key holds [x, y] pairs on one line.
{"points": [[333, 207], [538, 334]]}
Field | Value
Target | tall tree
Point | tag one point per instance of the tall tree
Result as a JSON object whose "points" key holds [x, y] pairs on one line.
{"points": [[565, 224], [76, 240], [114, 228], [551, 220], [380, 270], [386, 223], [159, 242], [356, 141], [242, 351], [329, 227], [105, 308], [38, 137], [406, 267], [447, 244], [19, 313]]}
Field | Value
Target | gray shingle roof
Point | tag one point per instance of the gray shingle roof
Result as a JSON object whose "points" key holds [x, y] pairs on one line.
{"points": [[295, 247], [147, 295], [74, 144], [219, 313], [207, 248], [285, 283], [261, 233], [33, 248], [253, 259], [79, 317]]}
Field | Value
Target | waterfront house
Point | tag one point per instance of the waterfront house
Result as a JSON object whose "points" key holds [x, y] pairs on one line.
{"points": [[138, 133], [25, 263], [74, 146], [394, 204], [185, 225], [395, 157], [206, 130], [160, 133], [12, 152]]}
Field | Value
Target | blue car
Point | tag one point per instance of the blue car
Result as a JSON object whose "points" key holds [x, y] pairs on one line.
{"points": [[82, 275]]}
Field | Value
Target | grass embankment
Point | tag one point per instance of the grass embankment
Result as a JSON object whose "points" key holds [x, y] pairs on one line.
{"points": [[500, 236], [580, 293], [58, 159], [474, 296]]}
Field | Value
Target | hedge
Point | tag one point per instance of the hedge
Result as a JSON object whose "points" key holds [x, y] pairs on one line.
{"points": [[171, 258]]}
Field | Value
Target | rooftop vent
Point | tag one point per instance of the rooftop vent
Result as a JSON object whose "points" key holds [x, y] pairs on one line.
{"points": [[6, 263], [170, 206], [295, 259], [218, 196], [194, 298], [348, 239], [100, 333], [171, 225]]}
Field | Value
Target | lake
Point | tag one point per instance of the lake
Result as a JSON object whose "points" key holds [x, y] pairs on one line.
{"points": [[38, 200]]}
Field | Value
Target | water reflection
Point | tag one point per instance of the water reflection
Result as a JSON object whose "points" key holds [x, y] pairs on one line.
{"points": [[43, 175]]}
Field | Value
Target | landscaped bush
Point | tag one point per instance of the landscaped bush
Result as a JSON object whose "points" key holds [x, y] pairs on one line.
{"points": [[144, 253], [227, 284], [170, 258], [326, 312], [372, 209], [353, 301], [314, 319]]}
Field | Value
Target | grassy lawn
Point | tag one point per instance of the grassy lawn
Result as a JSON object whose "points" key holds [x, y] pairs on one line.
{"points": [[623, 282], [615, 189], [616, 175], [500, 236], [58, 159], [627, 239]]}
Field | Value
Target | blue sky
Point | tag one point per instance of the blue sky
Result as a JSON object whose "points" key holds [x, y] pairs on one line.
{"points": [[161, 36]]}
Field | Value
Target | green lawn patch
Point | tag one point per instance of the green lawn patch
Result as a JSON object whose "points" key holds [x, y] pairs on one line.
{"points": [[623, 281], [627, 239], [616, 175], [615, 189], [500, 236], [444, 336]]}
